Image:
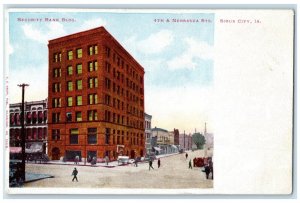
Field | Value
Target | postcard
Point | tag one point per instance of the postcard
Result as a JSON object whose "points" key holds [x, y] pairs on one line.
{"points": [[149, 101]]}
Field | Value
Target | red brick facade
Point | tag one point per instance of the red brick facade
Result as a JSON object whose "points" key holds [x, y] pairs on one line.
{"points": [[95, 99]]}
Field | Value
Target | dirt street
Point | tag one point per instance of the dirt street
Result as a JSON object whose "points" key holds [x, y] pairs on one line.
{"points": [[172, 174]]}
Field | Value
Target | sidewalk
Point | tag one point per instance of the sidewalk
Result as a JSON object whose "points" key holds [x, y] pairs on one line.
{"points": [[111, 164]]}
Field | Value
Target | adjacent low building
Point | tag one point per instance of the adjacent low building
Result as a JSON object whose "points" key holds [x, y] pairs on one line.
{"points": [[148, 133], [35, 122]]}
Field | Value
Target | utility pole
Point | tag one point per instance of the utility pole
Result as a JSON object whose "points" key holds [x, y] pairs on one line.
{"points": [[23, 139], [184, 139]]}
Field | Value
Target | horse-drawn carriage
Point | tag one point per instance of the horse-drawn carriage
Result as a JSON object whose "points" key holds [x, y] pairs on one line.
{"points": [[206, 163]]}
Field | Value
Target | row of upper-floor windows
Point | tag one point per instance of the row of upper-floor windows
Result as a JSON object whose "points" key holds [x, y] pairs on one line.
{"points": [[91, 66], [77, 53], [118, 104], [92, 115], [120, 77], [91, 99], [120, 91], [119, 62], [93, 50], [92, 82], [30, 118]]}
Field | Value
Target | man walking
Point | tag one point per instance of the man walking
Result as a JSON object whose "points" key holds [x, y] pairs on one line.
{"points": [[186, 155], [136, 162], [158, 162], [190, 164], [74, 173], [150, 164]]}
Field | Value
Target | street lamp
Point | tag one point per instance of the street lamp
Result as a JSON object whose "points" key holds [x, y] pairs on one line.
{"points": [[23, 140]]}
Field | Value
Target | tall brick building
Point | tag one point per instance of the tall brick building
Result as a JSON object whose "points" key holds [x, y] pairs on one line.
{"points": [[95, 98]]}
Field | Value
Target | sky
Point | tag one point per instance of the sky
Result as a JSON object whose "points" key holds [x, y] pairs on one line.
{"points": [[177, 57]]}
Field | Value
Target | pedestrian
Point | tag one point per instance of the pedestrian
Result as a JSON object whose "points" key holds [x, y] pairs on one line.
{"points": [[158, 162], [74, 173], [190, 164], [76, 160], [186, 155], [106, 160], [207, 170], [136, 162], [150, 164]]}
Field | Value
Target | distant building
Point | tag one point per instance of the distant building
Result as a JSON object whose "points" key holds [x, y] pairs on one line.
{"points": [[162, 136], [176, 137], [171, 137], [185, 141], [148, 133], [162, 139], [35, 122]]}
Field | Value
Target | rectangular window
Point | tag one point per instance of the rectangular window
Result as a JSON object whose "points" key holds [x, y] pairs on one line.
{"points": [[55, 57], [93, 98], [55, 117], [107, 67], [78, 116], [107, 99], [79, 53], [78, 100], [70, 101], [93, 66], [107, 83], [107, 116], [74, 136], [70, 70], [70, 55], [55, 134], [96, 82], [93, 50], [92, 82], [70, 86], [79, 68], [92, 115], [56, 72], [96, 49], [69, 116], [92, 136], [107, 135], [56, 102], [79, 84], [56, 87], [107, 52]]}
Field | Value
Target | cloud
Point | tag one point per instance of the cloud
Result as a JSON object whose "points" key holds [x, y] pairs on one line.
{"points": [[153, 44], [156, 42], [194, 50], [52, 31]]}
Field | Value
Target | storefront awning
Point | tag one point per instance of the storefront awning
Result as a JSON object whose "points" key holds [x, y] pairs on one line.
{"points": [[15, 150], [35, 148]]}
